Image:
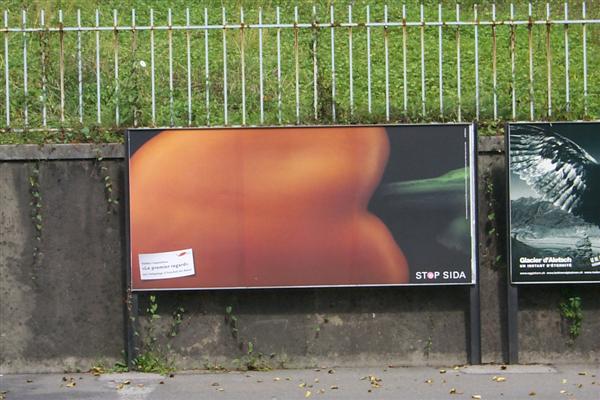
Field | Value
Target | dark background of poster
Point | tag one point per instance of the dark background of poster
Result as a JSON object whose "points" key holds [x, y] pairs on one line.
{"points": [[587, 136], [421, 152]]}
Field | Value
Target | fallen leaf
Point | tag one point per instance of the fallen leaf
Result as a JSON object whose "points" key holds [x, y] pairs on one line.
{"points": [[120, 386], [276, 379], [442, 371], [503, 367], [580, 386], [215, 384], [220, 389], [331, 371], [454, 391], [71, 384], [64, 378], [476, 397], [582, 373], [303, 384], [307, 394], [334, 387], [430, 381], [161, 382], [29, 381], [532, 393], [127, 382], [321, 391], [259, 381], [499, 379], [316, 380], [563, 391], [375, 381], [564, 381]]}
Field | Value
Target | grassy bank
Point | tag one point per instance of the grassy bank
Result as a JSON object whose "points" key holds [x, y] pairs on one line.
{"points": [[131, 93]]}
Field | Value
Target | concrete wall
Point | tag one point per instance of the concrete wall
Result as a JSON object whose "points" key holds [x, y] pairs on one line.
{"points": [[62, 296]]}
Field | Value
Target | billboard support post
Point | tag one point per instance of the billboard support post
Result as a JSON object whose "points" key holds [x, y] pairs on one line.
{"points": [[132, 324], [474, 325], [513, 323]]}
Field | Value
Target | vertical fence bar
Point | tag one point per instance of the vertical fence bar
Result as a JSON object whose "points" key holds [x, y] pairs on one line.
{"points": [[458, 77], [98, 108], [297, 64], [225, 116], [513, 40], [350, 72], [170, 45], [404, 74], [6, 69], [332, 63], [62, 66], [585, 77], [279, 116], [567, 81], [116, 67], [206, 73], [133, 55], [440, 61], [243, 64], [25, 79], [548, 60], [368, 59], [476, 28], [79, 67], [44, 44], [315, 66], [494, 63], [530, 44], [423, 95], [152, 77], [189, 65], [387, 64], [260, 66]]}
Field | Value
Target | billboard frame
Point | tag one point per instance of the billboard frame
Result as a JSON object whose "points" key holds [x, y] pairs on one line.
{"points": [[473, 206], [509, 249]]}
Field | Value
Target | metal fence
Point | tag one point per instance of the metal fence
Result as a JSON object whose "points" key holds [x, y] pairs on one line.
{"points": [[299, 65]]}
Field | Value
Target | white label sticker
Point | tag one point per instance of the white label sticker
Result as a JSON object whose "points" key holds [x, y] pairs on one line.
{"points": [[170, 264]]}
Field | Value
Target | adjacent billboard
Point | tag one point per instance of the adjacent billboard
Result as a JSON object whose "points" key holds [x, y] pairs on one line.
{"points": [[554, 202], [302, 206]]}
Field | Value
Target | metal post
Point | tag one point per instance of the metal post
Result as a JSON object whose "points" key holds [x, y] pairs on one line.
{"points": [[513, 323]]}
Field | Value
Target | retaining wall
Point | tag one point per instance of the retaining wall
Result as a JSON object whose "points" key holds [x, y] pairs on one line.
{"points": [[62, 288]]}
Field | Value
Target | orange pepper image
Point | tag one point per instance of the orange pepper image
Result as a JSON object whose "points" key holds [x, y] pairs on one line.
{"points": [[264, 207]]}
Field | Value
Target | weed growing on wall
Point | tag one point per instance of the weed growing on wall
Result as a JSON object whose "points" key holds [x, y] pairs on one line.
{"points": [[152, 357], [250, 359], [107, 182], [571, 309], [36, 205]]}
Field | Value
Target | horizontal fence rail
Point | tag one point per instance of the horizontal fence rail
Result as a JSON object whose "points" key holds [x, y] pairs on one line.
{"points": [[90, 70]]}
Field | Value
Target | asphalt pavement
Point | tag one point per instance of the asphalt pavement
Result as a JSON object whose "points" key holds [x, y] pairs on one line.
{"points": [[544, 382]]}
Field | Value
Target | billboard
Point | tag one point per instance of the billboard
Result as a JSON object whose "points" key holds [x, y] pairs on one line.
{"points": [[301, 206], [554, 202]]}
